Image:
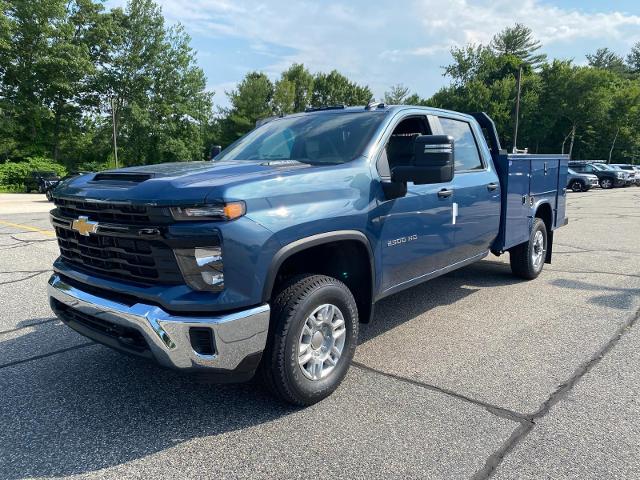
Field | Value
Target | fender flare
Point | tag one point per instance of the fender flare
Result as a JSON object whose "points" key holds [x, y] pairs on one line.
{"points": [[313, 241], [534, 214]]}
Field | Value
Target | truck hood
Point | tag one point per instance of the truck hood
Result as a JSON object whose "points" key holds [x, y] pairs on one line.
{"points": [[180, 183]]}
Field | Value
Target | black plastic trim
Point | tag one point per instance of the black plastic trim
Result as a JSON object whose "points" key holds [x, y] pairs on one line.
{"points": [[313, 241]]}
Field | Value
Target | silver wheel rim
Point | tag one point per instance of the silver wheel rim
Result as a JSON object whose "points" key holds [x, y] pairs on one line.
{"points": [[321, 342], [538, 251], [606, 183]]}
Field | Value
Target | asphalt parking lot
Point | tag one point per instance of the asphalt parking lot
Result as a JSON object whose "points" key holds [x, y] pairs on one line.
{"points": [[471, 375]]}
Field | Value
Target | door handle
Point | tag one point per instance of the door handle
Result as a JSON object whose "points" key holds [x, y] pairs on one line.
{"points": [[445, 193], [492, 186]]}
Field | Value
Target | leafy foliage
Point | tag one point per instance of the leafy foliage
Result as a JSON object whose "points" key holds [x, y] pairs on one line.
{"points": [[14, 174], [67, 67]]}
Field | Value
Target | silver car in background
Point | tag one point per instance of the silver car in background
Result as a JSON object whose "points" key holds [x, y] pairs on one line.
{"points": [[581, 182], [632, 170]]}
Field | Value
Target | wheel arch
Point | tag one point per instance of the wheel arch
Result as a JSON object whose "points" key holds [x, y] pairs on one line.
{"points": [[545, 213], [304, 248]]}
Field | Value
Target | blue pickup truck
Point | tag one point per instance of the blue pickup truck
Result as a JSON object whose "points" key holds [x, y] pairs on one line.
{"points": [[266, 259]]}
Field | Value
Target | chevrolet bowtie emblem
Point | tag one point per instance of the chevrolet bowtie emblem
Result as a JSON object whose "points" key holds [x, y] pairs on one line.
{"points": [[84, 227]]}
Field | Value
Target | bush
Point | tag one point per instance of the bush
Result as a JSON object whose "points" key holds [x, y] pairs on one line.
{"points": [[14, 174]]}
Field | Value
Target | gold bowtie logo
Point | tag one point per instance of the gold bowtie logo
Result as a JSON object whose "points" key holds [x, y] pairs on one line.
{"points": [[84, 226]]}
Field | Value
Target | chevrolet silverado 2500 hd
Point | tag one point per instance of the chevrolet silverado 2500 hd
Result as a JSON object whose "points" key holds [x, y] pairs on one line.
{"points": [[268, 257]]}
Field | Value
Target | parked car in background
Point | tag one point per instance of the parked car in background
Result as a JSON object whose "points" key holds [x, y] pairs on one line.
{"points": [[607, 177], [633, 170], [40, 181], [49, 188], [581, 182], [629, 176]]}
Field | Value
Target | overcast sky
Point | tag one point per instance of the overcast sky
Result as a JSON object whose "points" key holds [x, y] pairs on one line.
{"points": [[381, 43]]}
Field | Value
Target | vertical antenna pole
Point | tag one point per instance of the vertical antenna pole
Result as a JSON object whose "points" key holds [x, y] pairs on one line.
{"points": [[515, 128]]}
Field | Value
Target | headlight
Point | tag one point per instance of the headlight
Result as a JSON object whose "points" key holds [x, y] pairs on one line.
{"points": [[202, 267], [226, 211]]}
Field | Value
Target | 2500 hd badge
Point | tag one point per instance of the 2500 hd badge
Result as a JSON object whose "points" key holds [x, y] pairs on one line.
{"points": [[398, 241]]}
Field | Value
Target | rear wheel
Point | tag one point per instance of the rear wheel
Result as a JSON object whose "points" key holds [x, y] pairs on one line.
{"points": [[576, 186], [606, 183], [527, 259], [312, 341]]}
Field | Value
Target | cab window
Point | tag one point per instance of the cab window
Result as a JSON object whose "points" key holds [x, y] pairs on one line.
{"points": [[467, 156], [399, 148]]}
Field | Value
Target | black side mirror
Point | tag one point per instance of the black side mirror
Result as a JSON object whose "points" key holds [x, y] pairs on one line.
{"points": [[433, 161], [215, 150]]}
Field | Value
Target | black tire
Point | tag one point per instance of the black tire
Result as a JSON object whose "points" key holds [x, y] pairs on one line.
{"points": [[48, 195], [606, 183], [290, 309], [521, 256], [577, 186]]}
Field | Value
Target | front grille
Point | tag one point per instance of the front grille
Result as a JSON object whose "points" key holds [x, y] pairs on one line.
{"points": [[143, 261], [104, 212]]}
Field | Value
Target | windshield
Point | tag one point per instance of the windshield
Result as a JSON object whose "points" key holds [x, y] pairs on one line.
{"points": [[601, 167], [314, 139]]}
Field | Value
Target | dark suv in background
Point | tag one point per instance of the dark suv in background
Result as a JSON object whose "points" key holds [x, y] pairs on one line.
{"points": [[41, 181], [607, 177]]}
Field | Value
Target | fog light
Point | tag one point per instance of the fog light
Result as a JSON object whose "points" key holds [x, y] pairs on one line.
{"points": [[202, 267]]}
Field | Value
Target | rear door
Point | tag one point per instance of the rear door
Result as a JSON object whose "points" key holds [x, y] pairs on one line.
{"points": [[476, 190]]}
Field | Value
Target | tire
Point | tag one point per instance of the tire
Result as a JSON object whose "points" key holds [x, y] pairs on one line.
{"points": [[527, 260], [48, 195], [577, 186], [606, 183], [291, 339]]}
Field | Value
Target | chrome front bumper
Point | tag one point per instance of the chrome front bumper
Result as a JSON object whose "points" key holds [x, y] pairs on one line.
{"points": [[237, 336]]}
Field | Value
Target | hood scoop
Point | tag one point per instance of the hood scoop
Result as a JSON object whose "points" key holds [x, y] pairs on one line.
{"points": [[280, 163], [122, 177]]}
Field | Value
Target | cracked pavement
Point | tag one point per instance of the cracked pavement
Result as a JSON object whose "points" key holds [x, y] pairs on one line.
{"points": [[472, 375]]}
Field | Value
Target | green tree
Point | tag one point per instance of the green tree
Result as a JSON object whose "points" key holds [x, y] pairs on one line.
{"points": [[518, 41], [250, 102], [336, 89], [607, 60], [633, 59], [397, 95], [302, 81], [159, 93], [284, 97]]}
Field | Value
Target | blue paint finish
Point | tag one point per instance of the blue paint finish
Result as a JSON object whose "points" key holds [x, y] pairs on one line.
{"points": [[411, 238]]}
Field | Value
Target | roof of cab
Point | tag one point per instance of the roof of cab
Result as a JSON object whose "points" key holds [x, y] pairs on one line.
{"points": [[379, 108]]}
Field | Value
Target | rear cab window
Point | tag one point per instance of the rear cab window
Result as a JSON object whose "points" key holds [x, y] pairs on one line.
{"points": [[467, 155]]}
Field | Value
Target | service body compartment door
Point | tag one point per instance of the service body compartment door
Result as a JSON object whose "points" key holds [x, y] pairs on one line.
{"points": [[516, 225]]}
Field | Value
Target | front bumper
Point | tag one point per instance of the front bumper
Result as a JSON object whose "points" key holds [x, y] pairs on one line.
{"points": [[238, 338]]}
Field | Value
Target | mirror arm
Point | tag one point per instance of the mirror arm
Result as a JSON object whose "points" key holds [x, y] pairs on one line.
{"points": [[393, 189]]}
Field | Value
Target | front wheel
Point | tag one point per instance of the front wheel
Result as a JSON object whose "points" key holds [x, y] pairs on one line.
{"points": [[313, 336], [527, 259], [576, 186], [606, 183]]}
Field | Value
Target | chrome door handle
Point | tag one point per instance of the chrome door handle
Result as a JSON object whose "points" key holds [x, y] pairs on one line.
{"points": [[445, 193], [492, 186]]}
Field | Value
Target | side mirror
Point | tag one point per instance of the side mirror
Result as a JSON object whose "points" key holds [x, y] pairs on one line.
{"points": [[433, 161], [215, 150]]}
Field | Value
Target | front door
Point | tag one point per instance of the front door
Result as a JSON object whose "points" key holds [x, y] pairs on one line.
{"points": [[415, 230]]}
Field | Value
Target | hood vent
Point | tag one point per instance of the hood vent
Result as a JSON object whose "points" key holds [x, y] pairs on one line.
{"points": [[122, 177]]}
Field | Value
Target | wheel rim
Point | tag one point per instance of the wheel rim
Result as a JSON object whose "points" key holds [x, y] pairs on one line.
{"points": [[538, 251], [606, 183], [321, 342], [576, 187]]}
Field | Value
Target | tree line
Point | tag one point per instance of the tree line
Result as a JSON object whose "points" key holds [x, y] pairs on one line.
{"points": [[74, 75]]}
